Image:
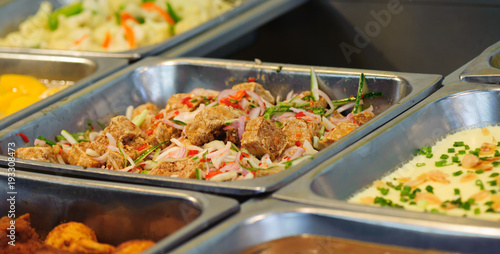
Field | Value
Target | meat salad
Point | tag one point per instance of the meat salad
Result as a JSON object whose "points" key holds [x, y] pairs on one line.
{"points": [[234, 134]]}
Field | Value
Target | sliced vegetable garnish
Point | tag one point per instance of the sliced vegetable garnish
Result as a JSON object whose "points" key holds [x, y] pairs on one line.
{"points": [[357, 107], [24, 137], [147, 152], [199, 174], [67, 11], [172, 13], [49, 142], [68, 137], [314, 85], [139, 119], [178, 122]]}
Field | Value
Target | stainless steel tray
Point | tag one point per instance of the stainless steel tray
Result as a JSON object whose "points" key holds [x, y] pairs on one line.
{"points": [[485, 68], [156, 79], [116, 212], [82, 71], [260, 221], [243, 18], [453, 107]]}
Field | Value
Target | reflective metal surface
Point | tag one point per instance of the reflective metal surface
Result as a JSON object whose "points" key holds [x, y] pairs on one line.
{"points": [[13, 12], [116, 212], [260, 221], [83, 71], [485, 68], [453, 107], [155, 79]]}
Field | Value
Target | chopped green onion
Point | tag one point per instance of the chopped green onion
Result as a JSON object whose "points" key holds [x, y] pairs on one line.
{"points": [[172, 13], [458, 143], [278, 69], [357, 107], [444, 156], [68, 137], [429, 189], [178, 122], [494, 174], [457, 191], [455, 159], [451, 150], [429, 155], [384, 191], [139, 119], [420, 164], [477, 211], [457, 173], [467, 147], [49, 142], [480, 184], [67, 11], [147, 152], [492, 183], [461, 152], [314, 85], [441, 163], [480, 171]]}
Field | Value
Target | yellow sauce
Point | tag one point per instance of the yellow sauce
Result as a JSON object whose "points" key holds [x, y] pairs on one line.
{"points": [[20, 91], [448, 180]]}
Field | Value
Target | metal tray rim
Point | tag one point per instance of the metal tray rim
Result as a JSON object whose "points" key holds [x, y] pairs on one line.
{"points": [[422, 86], [480, 69]]}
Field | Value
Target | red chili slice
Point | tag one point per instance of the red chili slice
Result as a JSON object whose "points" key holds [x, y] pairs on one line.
{"points": [[192, 152], [300, 114], [187, 101], [24, 137], [251, 79], [212, 174], [297, 143]]}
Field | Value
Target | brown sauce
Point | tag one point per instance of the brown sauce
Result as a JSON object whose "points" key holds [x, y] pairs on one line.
{"points": [[311, 244]]}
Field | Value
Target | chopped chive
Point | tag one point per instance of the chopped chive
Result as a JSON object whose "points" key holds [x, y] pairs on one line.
{"points": [[457, 191], [489, 203], [495, 163], [490, 210], [480, 171], [413, 203], [458, 143], [429, 189], [461, 151], [492, 183], [497, 153], [384, 191], [420, 164], [467, 147], [434, 210], [498, 143], [477, 211], [451, 150], [444, 156], [494, 174], [493, 191], [480, 184], [406, 190], [457, 173], [429, 155], [475, 152], [455, 159], [403, 199], [441, 163]]}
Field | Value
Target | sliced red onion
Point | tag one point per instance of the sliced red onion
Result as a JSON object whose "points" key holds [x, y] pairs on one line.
{"points": [[369, 109], [294, 152], [285, 116], [92, 153], [113, 148], [289, 96], [191, 147], [93, 136], [244, 103], [336, 120], [218, 156], [39, 142], [241, 126], [328, 125], [177, 126], [113, 163], [60, 159], [225, 93], [234, 125], [177, 142], [314, 118], [327, 98], [349, 116], [230, 167], [259, 100], [112, 141], [129, 168], [248, 176], [254, 113], [128, 113]]}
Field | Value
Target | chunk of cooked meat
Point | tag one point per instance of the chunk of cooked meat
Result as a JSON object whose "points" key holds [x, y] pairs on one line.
{"points": [[77, 156], [38, 153], [342, 129], [268, 172], [115, 160], [136, 147], [76, 237], [183, 102], [121, 129], [363, 117], [257, 88], [208, 124], [321, 103], [185, 168], [299, 130], [133, 246], [159, 133], [262, 137]]}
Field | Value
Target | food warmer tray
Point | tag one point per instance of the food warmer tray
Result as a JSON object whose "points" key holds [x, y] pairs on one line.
{"points": [[83, 71], [452, 108], [155, 79], [485, 68], [260, 221], [243, 19], [116, 212]]}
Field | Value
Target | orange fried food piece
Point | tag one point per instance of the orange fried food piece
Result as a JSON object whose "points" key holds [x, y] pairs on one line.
{"points": [[133, 246], [76, 237], [26, 241]]}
